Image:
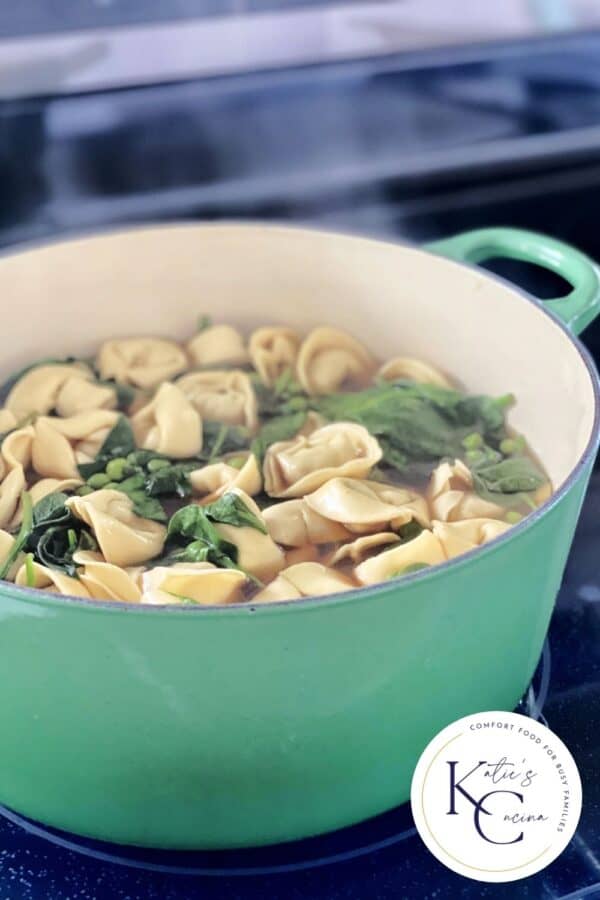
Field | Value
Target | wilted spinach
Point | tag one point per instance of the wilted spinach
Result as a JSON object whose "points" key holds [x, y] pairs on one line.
{"points": [[193, 537], [508, 476], [119, 442], [51, 533], [281, 428]]}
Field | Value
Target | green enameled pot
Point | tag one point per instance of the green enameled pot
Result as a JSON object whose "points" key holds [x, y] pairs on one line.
{"points": [[219, 727]]}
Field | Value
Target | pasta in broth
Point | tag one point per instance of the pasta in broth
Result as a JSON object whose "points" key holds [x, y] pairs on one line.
{"points": [[252, 468]]}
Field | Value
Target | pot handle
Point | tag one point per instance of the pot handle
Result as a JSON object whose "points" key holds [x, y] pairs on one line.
{"points": [[577, 309]]}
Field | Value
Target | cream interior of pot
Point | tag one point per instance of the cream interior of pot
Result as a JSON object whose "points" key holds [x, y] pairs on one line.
{"points": [[67, 298]]}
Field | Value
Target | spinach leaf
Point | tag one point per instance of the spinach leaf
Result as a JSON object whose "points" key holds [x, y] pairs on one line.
{"points": [[193, 537], [278, 429], [286, 395], [510, 476], [51, 510], [22, 536], [118, 442], [417, 422], [57, 544], [172, 479], [55, 534], [486, 412], [204, 541], [230, 509], [143, 505], [220, 439]]}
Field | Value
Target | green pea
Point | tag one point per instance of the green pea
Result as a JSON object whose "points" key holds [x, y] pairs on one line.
{"points": [[111, 486], [475, 456], [155, 464], [116, 469], [236, 461], [512, 516], [85, 489], [512, 445], [132, 457], [472, 441], [508, 446], [99, 480]]}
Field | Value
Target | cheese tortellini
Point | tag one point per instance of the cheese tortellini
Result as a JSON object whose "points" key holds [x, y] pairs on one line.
{"points": [[197, 583], [217, 345], [274, 351], [368, 506], [308, 579], [124, 538], [169, 424], [330, 358], [215, 479], [451, 495], [222, 396], [404, 367], [230, 468], [141, 362], [294, 468], [46, 387]]}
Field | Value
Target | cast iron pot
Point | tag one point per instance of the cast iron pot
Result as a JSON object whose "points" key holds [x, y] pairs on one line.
{"points": [[217, 727]]}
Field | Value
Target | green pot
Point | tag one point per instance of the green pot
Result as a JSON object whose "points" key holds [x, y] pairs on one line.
{"points": [[219, 727]]}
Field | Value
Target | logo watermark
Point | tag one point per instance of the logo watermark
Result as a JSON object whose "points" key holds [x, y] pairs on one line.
{"points": [[496, 796]]}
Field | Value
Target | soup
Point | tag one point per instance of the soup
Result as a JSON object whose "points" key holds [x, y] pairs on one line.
{"points": [[229, 470]]}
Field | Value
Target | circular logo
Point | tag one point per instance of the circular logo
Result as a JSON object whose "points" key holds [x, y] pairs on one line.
{"points": [[496, 796]]}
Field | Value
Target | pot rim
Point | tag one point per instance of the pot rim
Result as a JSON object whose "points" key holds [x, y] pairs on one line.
{"points": [[40, 597]]}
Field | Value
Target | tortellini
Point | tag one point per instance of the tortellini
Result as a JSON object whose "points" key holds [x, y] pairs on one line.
{"points": [[40, 389], [294, 468], [105, 581], [8, 420], [362, 547], [257, 553], [273, 351], [222, 395], [141, 362], [294, 524], [51, 580], [200, 583], [424, 550], [10, 493], [16, 447], [169, 424], [217, 345], [79, 396], [451, 496], [330, 359], [460, 537], [56, 446], [213, 480], [405, 367], [124, 538], [368, 506], [307, 579]]}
